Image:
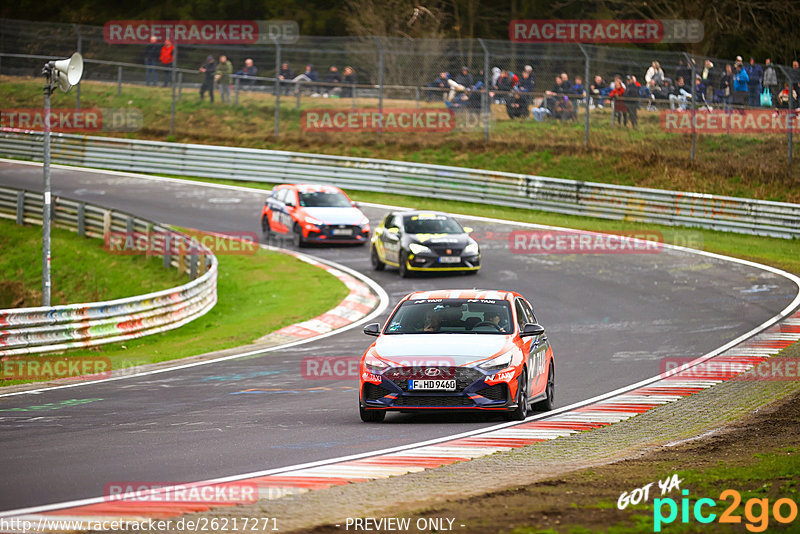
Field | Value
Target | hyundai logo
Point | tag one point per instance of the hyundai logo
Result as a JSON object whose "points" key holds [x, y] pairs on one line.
{"points": [[432, 371]]}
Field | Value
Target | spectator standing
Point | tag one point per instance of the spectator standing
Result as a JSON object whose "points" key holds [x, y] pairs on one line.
{"points": [[504, 86], [165, 56], [724, 94], [462, 81], [632, 100], [223, 77], [771, 79], [248, 72], [209, 69], [754, 76], [350, 79], [795, 74], [708, 74], [335, 79], [740, 85], [617, 97], [151, 57]]}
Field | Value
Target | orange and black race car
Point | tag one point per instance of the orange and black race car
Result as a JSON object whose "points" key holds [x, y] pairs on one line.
{"points": [[457, 350], [314, 214]]}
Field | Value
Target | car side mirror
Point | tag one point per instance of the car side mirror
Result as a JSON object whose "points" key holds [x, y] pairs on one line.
{"points": [[531, 329], [372, 329], [356, 205]]}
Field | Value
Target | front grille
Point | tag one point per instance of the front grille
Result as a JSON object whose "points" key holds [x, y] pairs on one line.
{"points": [[373, 392], [329, 228], [464, 376], [422, 401], [441, 250], [496, 392]]}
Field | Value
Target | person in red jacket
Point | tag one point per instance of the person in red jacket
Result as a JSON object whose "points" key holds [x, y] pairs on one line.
{"points": [[617, 96], [166, 57]]}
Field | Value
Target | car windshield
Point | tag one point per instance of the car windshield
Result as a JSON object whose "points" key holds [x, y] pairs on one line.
{"points": [[431, 224], [322, 199], [451, 316]]}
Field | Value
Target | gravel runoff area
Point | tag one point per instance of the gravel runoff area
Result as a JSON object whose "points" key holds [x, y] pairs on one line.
{"points": [[464, 490]]}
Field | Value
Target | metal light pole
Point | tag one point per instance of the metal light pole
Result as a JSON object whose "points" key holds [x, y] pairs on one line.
{"points": [[62, 74]]}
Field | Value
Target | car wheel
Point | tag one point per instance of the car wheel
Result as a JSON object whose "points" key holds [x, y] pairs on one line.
{"points": [[371, 416], [265, 229], [377, 264], [521, 411], [402, 267], [550, 391], [297, 237]]}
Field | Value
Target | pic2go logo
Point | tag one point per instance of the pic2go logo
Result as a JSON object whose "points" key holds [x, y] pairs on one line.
{"points": [[756, 511]]}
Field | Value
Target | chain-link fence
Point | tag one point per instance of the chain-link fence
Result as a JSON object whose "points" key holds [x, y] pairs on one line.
{"points": [[478, 82]]}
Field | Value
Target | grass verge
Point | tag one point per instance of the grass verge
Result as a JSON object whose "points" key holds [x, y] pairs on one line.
{"points": [[257, 294], [752, 166], [81, 270]]}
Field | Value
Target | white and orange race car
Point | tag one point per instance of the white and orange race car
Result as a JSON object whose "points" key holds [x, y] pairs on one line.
{"points": [[457, 350], [314, 214]]}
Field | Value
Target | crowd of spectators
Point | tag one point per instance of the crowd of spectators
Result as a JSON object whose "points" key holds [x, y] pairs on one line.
{"points": [[735, 84]]}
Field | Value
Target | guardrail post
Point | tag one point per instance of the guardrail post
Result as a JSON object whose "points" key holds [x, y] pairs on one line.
{"points": [[236, 91], [380, 87], [129, 226], [277, 87], [586, 89], [486, 107], [119, 80], [613, 101], [694, 101], [180, 86], [20, 207], [173, 79], [82, 219], [416, 95], [106, 222], [297, 93], [790, 116], [80, 51], [193, 266]]}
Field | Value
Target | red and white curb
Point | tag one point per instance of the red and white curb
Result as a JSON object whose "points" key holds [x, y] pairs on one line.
{"points": [[596, 413]]}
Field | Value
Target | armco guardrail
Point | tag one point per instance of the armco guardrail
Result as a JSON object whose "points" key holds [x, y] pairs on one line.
{"points": [[777, 219], [55, 328]]}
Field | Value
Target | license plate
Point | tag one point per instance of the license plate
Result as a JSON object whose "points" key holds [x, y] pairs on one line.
{"points": [[450, 259], [438, 385], [342, 231]]}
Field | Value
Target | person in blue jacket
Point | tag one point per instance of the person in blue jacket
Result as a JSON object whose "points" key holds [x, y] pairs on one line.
{"points": [[740, 80], [754, 76]]}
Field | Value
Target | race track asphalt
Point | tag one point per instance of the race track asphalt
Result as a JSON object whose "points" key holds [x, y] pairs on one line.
{"points": [[611, 319]]}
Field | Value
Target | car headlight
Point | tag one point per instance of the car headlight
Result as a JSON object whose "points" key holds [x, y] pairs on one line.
{"points": [[416, 248], [312, 220], [499, 362], [471, 249], [374, 364], [364, 221]]}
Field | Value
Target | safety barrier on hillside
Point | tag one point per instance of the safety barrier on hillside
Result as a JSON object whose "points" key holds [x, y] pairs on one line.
{"points": [[573, 197], [56, 328]]}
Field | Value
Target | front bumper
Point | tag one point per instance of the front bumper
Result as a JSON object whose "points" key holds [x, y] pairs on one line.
{"points": [[472, 393], [433, 262], [337, 233]]}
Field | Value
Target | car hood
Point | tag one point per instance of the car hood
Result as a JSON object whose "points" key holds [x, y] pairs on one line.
{"points": [[439, 349], [336, 215], [440, 240]]}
